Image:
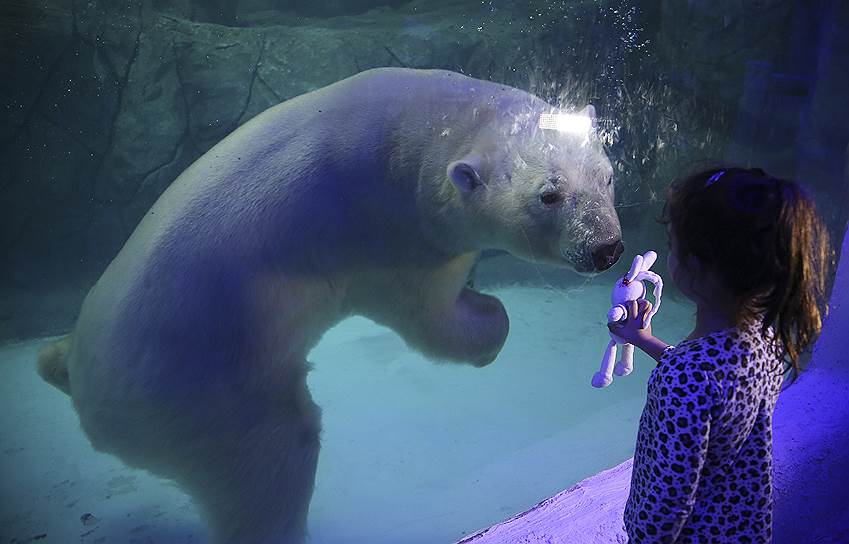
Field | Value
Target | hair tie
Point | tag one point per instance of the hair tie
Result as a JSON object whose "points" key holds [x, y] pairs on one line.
{"points": [[714, 178]]}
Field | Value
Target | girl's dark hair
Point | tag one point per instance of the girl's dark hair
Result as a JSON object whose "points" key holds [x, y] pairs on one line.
{"points": [[765, 240]]}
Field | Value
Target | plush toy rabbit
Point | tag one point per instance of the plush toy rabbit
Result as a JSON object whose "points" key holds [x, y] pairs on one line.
{"points": [[628, 288]]}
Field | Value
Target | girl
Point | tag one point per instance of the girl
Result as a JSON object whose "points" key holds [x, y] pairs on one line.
{"points": [[752, 253]]}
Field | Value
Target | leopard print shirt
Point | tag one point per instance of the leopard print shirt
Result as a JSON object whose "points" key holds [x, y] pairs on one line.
{"points": [[703, 462]]}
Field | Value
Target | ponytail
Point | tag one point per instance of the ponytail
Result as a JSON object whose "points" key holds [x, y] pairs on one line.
{"points": [[797, 304]]}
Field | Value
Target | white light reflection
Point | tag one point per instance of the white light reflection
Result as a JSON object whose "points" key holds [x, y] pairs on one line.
{"points": [[566, 122]]}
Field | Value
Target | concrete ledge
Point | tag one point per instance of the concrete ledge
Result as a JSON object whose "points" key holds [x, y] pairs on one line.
{"points": [[588, 512], [811, 454]]}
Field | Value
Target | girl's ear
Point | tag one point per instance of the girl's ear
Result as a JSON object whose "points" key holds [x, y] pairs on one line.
{"points": [[465, 174]]}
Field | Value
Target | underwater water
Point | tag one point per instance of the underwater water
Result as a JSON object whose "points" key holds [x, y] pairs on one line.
{"points": [[430, 451], [106, 103]]}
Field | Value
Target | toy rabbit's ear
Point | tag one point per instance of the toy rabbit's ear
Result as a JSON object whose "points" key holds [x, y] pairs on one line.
{"points": [[648, 259], [636, 268]]}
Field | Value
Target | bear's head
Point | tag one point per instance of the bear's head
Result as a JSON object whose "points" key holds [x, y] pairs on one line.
{"points": [[544, 195]]}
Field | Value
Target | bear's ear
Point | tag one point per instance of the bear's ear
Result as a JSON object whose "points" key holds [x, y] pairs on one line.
{"points": [[589, 111], [464, 175]]}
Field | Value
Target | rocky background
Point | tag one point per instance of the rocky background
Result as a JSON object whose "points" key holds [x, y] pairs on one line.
{"points": [[105, 102]]}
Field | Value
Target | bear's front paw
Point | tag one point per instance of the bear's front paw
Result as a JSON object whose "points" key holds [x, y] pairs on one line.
{"points": [[471, 330]]}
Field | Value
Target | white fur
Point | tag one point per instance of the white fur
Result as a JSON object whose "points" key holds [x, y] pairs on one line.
{"points": [[189, 358]]}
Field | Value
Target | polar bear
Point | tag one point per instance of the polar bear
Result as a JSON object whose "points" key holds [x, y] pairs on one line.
{"points": [[372, 196]]}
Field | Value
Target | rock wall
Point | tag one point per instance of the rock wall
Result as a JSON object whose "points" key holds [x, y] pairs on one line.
{"points": [[107, 101]]}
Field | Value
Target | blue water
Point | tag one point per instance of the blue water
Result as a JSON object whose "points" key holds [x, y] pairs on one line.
{"points": [[412, 451]]}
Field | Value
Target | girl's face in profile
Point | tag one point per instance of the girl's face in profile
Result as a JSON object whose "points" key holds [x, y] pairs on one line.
{"points": [[681, 275], [698, 282]]}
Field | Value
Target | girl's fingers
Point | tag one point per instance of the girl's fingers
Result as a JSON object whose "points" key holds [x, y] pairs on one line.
{"points": [[632, 310], [646, 308]]}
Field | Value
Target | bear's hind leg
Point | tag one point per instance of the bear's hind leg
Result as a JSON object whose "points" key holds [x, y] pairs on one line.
{"points": [[253, 473]]}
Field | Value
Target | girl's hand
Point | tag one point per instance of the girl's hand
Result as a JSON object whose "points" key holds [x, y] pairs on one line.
{"points": [[631, 330]]}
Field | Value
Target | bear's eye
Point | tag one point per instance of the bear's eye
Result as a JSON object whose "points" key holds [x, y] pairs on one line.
{"points": [[609, 181], [550, 197]]}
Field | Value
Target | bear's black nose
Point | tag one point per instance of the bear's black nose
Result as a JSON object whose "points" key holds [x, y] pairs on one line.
{"points": [[607, 254]]}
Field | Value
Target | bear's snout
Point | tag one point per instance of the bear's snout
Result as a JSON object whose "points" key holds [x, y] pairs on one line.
{"points": [[606, 254]]}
